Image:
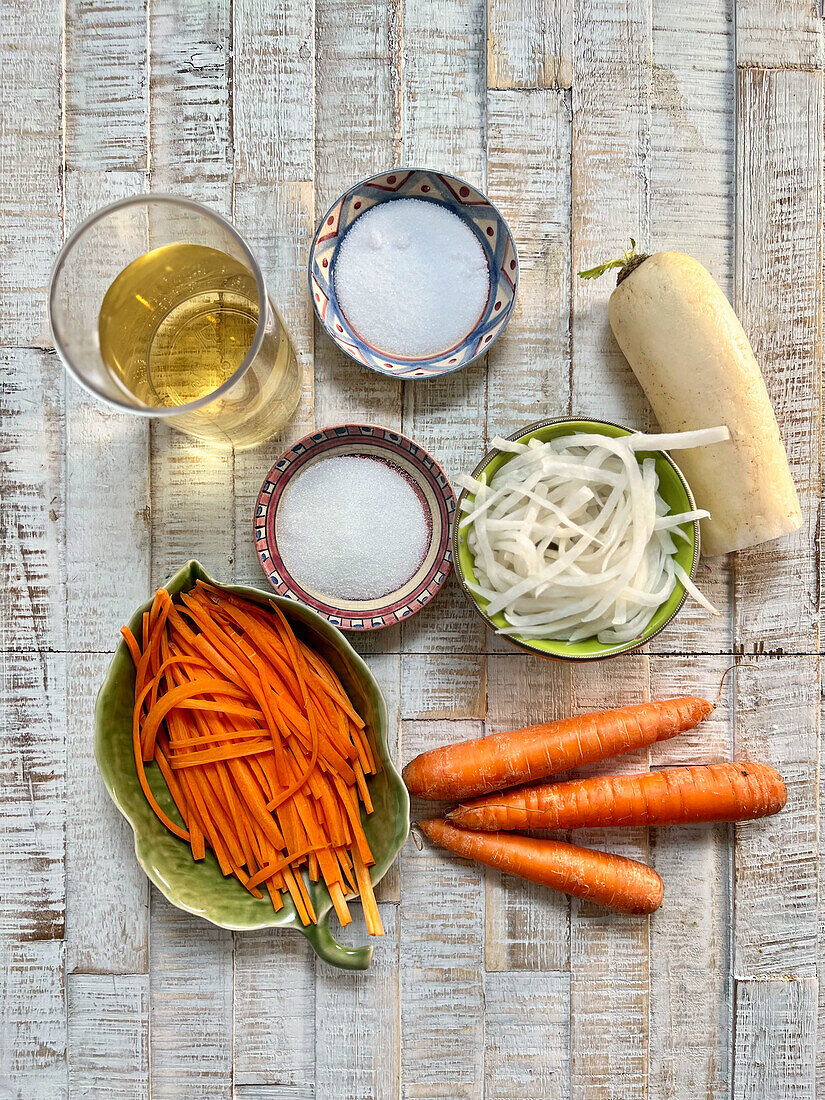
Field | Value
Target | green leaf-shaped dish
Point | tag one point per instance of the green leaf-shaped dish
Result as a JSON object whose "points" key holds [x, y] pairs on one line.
{"points": [[200, 887]]}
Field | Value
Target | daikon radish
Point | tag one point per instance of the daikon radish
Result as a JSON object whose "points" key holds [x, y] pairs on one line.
{"points": [[693, 360]]}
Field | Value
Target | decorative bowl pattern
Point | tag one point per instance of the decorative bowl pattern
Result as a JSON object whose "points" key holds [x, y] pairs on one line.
{"points": [[673, 488], [199, 887], [426, 477], [460, 198]]}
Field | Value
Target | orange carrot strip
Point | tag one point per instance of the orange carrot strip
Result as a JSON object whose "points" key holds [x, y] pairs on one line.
{"points": [[338, 901], [223, 752], [131, 645], [362, 787], [355, 821], [144, 782], [371, 914], [610, 880], [472, 768], [270, 869]]}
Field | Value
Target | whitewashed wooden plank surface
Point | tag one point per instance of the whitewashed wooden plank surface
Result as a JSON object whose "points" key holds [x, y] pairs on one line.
{"points": [[108, 1036], [590, 121]]}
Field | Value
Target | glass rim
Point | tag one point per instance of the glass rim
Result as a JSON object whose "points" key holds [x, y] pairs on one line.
{"points": [[263, 304]]}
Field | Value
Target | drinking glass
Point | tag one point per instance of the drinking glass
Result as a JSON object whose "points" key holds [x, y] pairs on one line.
{"points": [[187, 332]]}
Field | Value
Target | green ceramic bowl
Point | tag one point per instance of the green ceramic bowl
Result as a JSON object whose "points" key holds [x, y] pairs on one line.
{"points": [[673, 488], [200, 887]]}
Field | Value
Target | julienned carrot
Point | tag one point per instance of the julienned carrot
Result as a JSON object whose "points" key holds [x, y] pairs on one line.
{"points": [[673, 796], [470, 768], [263, 753], [610, 880]]}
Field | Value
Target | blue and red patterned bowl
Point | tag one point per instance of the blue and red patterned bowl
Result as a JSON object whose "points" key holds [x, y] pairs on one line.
{"points": [[460, 198], [428, 480]]}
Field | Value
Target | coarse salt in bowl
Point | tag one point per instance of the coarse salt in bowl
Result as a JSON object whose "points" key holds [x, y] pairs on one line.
{"points": [[390, 309], [364, 540]]}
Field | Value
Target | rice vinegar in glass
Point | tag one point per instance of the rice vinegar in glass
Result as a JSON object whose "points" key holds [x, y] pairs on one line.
{"points": [[178, 323]]}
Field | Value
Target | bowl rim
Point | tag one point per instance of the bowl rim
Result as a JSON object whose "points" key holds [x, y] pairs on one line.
{"points": [[394, 373], [318, 934], [519, 643], [350, 432]]}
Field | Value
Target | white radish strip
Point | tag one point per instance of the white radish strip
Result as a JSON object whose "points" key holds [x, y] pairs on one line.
{"points": [[677, 441]]}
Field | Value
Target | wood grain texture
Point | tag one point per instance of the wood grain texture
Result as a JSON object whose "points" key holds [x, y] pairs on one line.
{"points": [[358, 1021], [779, 299], [190, 83], [107, 911], [610, 184], [775, 1040], [32, 518], [441, 951], [190, 989], [530, 44], [106, 100], [32, 1021], [274, 1003], [30, 167], [527, 1036], [273, 86], [108, 1036], [776, 860], [779, 34], [32, 795], [443, 685]]}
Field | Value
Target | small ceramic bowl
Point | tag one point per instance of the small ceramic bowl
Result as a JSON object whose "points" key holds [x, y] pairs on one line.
{"points": [[426, 477], [200, 888], [672, 486], [460, 198]]}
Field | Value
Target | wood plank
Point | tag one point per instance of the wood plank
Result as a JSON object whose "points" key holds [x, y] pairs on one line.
{"points": [[273, 86], [609, 952], [277, 220], [779, 298], [528, 178], [440, 961], [190, 991], [527, 1036], [611, 131], [357, 1019], [274, 1092], [776, 860], [108, 1049], [775, 1039], [445, 52], [106, 94], [107, 479], [711, 742], [443, 685], [692, 199], [357, 134], [779, 33], [190, 83], [32, 802], [527, 926], [690, 991], [529, 44], [33, 1020], [32, 519], [30, 166], [446, 415], [107, 911], [274, 1033]]}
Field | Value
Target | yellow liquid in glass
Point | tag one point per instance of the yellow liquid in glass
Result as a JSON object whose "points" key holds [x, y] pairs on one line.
{"points": [[177, 323]]}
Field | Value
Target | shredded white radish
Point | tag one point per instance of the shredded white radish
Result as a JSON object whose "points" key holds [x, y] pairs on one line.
{"points": [[571, 539]]}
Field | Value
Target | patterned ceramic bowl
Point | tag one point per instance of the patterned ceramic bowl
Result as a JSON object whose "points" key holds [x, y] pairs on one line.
{"points": [[433, 489], [673, 488], [199, 887], [458, 197]]}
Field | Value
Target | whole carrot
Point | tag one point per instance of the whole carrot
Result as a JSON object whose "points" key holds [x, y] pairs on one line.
{"points": [[673, 796], [610, 880], [470, 768]]}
